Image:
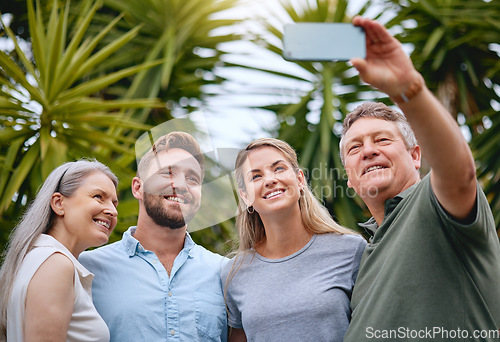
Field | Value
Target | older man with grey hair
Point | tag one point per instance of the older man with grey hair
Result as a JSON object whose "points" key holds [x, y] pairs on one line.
{"points": [[432, 268]]}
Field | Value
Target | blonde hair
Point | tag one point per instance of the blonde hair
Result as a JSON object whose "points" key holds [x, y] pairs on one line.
{"points": [[38, 219], [315, 217]]}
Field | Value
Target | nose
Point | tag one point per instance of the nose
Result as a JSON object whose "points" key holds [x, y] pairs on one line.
{"points": [[111, 209], [369, 150], [269, 179], [178, 182]]}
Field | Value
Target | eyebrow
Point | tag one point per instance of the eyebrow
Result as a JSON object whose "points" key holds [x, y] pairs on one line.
{"points": [[175, 167], [359, 137], [273, 164], [107, 194]]}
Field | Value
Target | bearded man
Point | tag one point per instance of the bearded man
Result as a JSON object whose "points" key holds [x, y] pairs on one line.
{"points": [[156, 284]]}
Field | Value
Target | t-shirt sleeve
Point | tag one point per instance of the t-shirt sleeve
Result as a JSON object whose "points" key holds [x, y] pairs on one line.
{"points": [[234, 315], [481, 227]]}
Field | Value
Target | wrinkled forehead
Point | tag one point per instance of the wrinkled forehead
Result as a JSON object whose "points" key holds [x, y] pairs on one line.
{"points": [[174, 158], [369, 126]]}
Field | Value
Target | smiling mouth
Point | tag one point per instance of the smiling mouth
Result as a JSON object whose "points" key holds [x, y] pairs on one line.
{"points": [[176, 199], [274, 194], [102, 223], [374, 168]]}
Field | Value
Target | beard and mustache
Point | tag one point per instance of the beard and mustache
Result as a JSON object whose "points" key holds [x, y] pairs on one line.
{"points": [[174, 219]]}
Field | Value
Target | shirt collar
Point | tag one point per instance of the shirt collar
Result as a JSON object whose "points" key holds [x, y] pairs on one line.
{"points": [[133, 246], [371, 225]]}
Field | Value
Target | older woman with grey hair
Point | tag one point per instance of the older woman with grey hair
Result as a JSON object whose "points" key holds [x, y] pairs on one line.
{"points": [[45, 290]]}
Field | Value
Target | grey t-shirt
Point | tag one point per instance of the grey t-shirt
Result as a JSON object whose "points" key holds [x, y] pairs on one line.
{"points": [[302, 297]]}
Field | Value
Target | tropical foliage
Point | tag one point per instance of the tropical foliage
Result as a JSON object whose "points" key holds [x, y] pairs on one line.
{"points": [[75, 95], [455, 46], [86, 78], [51, 111], [313, 99]]}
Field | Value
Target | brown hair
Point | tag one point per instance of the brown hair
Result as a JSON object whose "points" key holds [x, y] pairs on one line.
{"points": [[166, 142]]}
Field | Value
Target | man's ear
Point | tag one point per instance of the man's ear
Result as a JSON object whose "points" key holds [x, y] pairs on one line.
{"points": [[57, 203], [416, 155], [244, 196], [137, 188]]}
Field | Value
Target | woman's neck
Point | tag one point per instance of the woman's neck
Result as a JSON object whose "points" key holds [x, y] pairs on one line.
{"points": [[285, 235]]}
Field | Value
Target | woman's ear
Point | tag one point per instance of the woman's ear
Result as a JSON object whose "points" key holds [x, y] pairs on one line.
{"points": [[57, 203], [302, 179], [244, 196]]}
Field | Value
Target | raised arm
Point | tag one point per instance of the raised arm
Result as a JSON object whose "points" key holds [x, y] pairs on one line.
{"points": [[389, 69]]}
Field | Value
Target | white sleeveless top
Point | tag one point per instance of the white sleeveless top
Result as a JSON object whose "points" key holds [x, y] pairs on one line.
{"points": [[85, 325]]}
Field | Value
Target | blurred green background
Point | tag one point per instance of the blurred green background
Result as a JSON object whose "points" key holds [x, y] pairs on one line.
{"points": [[86, 78]]}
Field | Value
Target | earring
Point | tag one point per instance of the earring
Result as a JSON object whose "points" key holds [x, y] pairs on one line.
{"points": [[302, 193], [248, 210]]}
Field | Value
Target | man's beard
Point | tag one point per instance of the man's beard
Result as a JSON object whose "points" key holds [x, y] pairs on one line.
{"points": [[160, 215]]}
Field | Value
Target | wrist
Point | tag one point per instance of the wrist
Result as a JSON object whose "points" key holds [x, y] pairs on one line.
{"points": [[413, 90]]}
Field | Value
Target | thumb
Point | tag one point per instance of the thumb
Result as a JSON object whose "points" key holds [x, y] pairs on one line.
{"points": [[359, 64]]}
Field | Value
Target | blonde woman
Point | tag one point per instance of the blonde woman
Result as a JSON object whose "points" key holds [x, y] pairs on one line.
{"points": [[293, 275], [45, 290]]}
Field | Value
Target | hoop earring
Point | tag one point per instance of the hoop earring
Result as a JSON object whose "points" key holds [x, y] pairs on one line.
{"points": [[248, 210]]}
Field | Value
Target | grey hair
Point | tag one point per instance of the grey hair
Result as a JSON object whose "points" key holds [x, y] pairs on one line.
{"points": [[380, 111], [39, 218]]}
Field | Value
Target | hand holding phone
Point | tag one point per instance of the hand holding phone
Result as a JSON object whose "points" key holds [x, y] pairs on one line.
{"points": [[323, 42]]}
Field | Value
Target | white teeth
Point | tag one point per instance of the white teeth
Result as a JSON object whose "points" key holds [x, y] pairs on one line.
{"points": [[274, 193], [175, 199], [372, 168], [103, 223]]}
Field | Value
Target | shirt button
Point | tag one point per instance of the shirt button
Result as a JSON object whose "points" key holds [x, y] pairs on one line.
{"points": [[170, 293], [172, 332]]}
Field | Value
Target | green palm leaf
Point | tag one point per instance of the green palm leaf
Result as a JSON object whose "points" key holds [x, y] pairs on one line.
{"points": [[49, 104], [310, 113]]}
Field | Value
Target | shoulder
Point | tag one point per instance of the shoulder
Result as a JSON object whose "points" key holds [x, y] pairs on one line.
{"points": [[242, 260], [332, 246], [101, 254], [207, 255], [345, 240], [56, 267], [60, 261], [100, 251]]}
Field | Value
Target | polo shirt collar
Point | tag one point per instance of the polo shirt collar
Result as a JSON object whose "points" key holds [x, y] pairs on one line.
{"points": [[133, 246], [371, 225]]}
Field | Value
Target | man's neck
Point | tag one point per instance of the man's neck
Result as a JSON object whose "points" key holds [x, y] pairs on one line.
{"points": [[376, 204], [162, 241]]}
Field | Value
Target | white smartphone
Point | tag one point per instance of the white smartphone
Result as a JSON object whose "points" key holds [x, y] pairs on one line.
{"points": [[323, 42]]}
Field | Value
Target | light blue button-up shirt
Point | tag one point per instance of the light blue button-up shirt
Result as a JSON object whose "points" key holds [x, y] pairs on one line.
{"points": [[141, 303]]}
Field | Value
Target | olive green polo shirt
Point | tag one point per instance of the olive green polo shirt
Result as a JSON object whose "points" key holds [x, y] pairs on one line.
{"points": [[426, 277]]}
